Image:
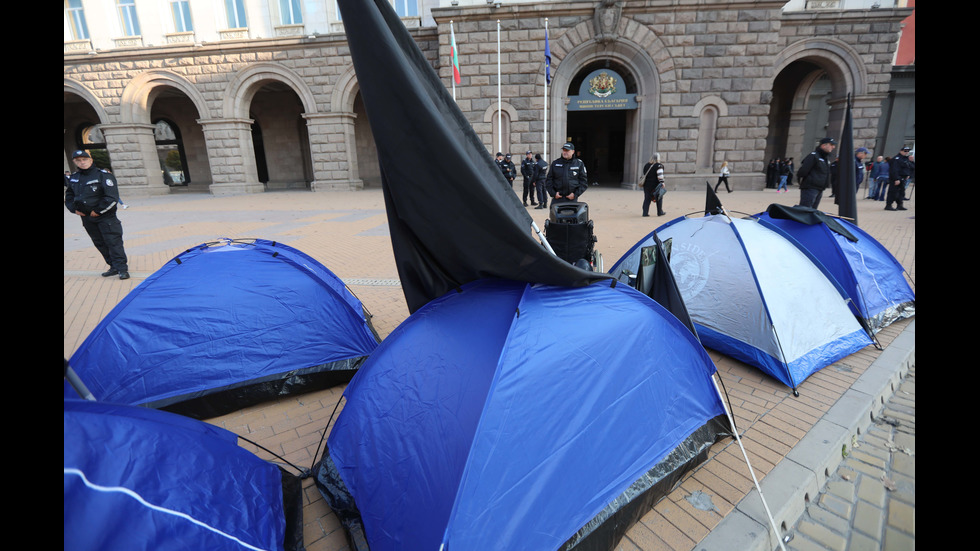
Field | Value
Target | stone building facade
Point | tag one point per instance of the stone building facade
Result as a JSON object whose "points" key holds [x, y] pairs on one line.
{"points": [[708, 82]]}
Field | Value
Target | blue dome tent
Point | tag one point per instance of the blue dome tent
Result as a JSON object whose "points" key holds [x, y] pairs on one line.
{"points": [[526, 403], [502, 417], [754, 296], [871, 277], [137, 478], [225, 325]]}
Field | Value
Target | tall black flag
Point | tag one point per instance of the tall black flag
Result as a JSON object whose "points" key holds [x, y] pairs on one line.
{"points": [[847, 170], [712, 204], [452, 216]]}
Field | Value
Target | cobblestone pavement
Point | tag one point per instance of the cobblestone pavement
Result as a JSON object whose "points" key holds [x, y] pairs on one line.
{"points": [[869, 503], [712, 507]]}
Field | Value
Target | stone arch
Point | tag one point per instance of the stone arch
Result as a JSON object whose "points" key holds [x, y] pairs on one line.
{"points": [[798, 70], [642, 53], [509, 117], [708, 110], [840, 61], [245, 84], [139, 93], [345, 91], [81, 91]]}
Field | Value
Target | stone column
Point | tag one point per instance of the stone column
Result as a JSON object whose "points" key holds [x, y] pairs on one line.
{"points": [[866, 112], [334, 151], [133, 152], [795, 135], [231, 155]]}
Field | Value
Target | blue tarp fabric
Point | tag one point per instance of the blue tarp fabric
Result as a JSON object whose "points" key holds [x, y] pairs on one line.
{"points": [[503, 417], [869, 274], [137, 478], [223, 315]]}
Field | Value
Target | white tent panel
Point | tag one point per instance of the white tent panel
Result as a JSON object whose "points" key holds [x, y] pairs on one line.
{"points": [[715, 279], [806, 308]]}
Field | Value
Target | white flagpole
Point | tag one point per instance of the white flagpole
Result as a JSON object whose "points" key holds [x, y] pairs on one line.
{"points": [[545, 147], [500, 105]]}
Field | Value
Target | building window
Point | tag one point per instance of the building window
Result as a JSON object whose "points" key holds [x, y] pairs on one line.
{"points": [[170, 151], [289, 12], [236, 14], [181, 10], [76, 19], [407, 8], [89, 136], [127, 17]]}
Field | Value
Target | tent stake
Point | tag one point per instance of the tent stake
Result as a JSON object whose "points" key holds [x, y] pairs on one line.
{"points": [[738, 439]]}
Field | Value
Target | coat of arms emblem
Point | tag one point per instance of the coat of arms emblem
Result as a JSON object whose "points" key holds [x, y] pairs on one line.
{"points": [[602, 85]]}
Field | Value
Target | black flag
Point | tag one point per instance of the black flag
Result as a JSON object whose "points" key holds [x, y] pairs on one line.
{"points": [[847, 170], [665, 290], [452, 216], [712, 204]]}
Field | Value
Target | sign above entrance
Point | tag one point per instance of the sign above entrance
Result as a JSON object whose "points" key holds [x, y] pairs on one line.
{"points": [[602, 90]]}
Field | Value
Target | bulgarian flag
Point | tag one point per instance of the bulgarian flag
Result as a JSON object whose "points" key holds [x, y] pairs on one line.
{"points": [[455, 53]]}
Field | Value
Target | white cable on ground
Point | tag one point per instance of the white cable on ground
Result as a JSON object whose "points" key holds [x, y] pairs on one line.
{"points": [[738, 439]]}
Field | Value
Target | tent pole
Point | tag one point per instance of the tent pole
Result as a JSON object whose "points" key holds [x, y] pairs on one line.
{"points": [[77, 383], [738, 439], [541, 237]]}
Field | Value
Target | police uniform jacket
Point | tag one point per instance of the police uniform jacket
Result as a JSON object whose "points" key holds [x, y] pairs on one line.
{"points": [[540, 170], [815, 171], [92, 190], [527, 169], [899, 167], [567, 176]]}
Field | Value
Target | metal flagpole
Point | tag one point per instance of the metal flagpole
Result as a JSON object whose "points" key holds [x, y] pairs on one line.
{"points": [[547, 66], [500, 105]]}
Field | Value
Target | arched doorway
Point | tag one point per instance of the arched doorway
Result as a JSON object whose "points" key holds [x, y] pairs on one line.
{"points": [[813, 78], [601, 115], [181, 149], [90, 138], [82, 127], [367, 151], [280, 138]]}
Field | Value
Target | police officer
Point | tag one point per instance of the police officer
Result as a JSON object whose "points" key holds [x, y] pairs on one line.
{"points": [[899, 170], [540, 174], [815, 173], [93, 195], [509, 170], [527, 172], [567, 178]]}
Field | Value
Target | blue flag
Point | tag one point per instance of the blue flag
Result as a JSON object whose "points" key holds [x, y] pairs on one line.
{"points": [[547, 58]]}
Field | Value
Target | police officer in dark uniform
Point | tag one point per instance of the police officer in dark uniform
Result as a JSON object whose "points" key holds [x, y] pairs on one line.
{"points": [[815, 173], [527, 172], [540, 175], [899, 170], [93, 195], [509, 170], [567, 178]]}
